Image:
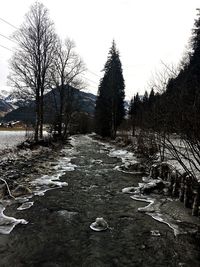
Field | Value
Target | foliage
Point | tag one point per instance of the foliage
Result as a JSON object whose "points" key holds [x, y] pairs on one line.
{"points": [[110, 110]]}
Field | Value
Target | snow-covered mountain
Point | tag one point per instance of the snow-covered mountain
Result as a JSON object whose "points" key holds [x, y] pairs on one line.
{"points": [[9, 102], [5, 106], [23, 111]]}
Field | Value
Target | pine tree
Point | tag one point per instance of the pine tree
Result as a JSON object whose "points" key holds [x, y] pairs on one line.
{"points": [[135, 112], [195, 42], [110, 110], [145, 98], [151, 98]]}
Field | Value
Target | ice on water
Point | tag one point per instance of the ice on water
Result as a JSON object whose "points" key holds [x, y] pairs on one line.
{"points": [[41, 184], [7, 223], [25, 206]]}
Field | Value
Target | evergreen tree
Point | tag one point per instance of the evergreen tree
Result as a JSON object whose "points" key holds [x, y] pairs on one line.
{"points": [[110, 110], [135, 111], [131, 112], [145, 98], [151, 98]]}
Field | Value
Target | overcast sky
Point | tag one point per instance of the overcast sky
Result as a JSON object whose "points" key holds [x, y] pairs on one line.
{"points": [[146, 32]]}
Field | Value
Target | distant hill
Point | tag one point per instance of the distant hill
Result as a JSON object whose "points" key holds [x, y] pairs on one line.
{"points": [[85, 102], [19, 110], [9, 103], [5, 107]]}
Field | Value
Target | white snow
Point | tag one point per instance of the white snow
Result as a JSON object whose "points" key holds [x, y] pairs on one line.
{"points": [[25, 206], [9, 139], [99, 225], [128, 190], [153, 210], [128, 158], [62, 164], [7, 224], [47, 180], [40, 185]]}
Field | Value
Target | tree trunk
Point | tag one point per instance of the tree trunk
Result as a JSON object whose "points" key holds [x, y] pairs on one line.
{"points": [[133, 128], [61, 111], [114, 121], [41, 114], [37, 117], [60, 120]]}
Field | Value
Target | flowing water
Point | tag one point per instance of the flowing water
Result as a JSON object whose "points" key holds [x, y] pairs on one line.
{"points": [[88, 184]]}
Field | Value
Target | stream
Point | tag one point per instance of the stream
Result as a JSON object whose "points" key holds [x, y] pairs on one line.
{"points": [[85, 183]]}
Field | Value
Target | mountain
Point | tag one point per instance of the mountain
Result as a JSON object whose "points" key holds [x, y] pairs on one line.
{"points": [[9, 103], [4, 107], [16, 102], [84, 102], [19, 110]]}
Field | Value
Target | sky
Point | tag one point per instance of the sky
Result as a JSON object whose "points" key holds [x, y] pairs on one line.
{"points": [[146, 32]]}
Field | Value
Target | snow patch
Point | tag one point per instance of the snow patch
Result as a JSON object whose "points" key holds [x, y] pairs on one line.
{"points": [[9, 139], [128, 190], [52, 181], [99, 225], [25, 206], [46, 183], [153, 210], [40, 186], [120, 168], [7, 223], [128, 158]]}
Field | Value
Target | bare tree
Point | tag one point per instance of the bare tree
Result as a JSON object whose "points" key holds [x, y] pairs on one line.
{"points": [[65, 75], [31, 63], [160, 79]]}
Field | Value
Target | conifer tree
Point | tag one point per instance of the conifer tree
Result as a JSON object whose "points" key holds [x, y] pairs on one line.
{"points": [[110, 110], [135, 112], [145, 98], [151, 98]]}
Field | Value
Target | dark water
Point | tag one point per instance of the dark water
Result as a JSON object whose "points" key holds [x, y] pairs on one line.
{"points": [[59, 234]]}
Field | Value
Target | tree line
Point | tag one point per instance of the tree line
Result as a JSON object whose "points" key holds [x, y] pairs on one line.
{"points": [[176, 107], [43, 63]]}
